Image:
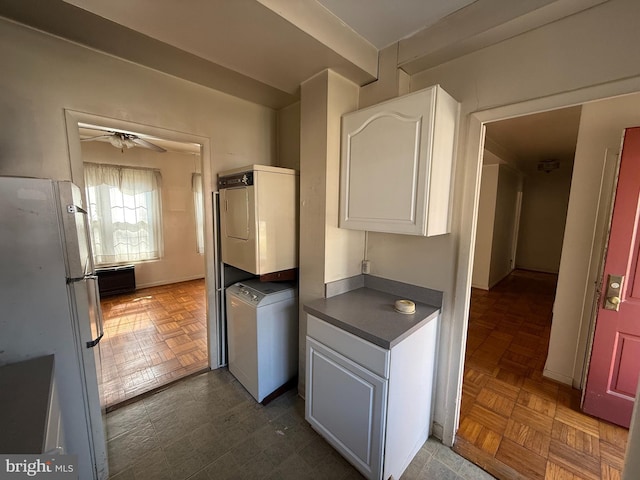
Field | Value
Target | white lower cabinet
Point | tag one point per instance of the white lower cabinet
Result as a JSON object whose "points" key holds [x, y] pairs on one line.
{"points": [[346, 404], [371, 404]]}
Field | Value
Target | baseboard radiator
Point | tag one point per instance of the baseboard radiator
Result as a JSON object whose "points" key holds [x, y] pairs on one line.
{"points": [[116, 280]]}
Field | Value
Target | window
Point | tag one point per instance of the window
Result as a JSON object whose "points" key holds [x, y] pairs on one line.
{"points": [[124, 213], [198, 203]]}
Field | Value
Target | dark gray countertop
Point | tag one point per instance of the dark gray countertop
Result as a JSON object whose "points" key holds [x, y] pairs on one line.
{"points": [[370, 314], [24, 404]]}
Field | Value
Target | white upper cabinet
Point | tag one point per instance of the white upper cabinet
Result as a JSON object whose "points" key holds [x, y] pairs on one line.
{"points": [[396, 167]]}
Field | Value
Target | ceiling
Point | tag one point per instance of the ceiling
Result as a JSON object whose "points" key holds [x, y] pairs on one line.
{"points": [[524, 141], [383, 22], [262, 50]]}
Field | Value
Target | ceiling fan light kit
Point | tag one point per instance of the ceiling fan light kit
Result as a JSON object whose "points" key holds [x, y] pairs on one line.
{"points": [[123, 140], [548, 165], [120, 140]]}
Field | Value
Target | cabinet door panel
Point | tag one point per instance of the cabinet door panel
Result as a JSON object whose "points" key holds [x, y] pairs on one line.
{"points": [[383, 165], [346, 404]]}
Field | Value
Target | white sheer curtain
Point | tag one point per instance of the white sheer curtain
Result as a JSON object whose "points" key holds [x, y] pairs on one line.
{"points": [[124, 212], [198, 202]]}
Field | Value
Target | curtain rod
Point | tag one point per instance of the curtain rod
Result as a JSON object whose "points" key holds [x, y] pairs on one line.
{"points": [[122, 166]]}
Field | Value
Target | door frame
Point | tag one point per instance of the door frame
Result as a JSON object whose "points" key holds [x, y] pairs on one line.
{"points": [[611, 157], [73, 118], [516, 230], [467, 191]]}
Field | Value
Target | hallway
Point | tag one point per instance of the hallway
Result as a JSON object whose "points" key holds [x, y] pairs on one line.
{"points": [[514, 423]]}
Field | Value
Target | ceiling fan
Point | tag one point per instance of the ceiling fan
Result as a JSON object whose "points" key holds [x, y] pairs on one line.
{"points": [[125, 140]]}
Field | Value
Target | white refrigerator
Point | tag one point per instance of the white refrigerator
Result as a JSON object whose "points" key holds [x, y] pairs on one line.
{"points": [[49, 304]]}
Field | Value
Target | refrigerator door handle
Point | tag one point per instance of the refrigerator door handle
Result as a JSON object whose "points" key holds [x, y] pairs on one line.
{"points": [[95, 341], [99, 318], [87, 235], [75, 209], [89, 276]]}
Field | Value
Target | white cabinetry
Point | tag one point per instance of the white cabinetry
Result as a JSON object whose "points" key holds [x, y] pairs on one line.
{"points": [[30, 416], [372, 404], [347, 405], [396, 164]]}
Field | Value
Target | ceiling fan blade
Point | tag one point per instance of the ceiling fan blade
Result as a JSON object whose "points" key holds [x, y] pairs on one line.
{"points": [[99, 137], [145, 144]]}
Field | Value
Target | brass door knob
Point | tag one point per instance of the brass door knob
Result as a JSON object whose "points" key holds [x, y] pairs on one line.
{"points": [[613, 300]]}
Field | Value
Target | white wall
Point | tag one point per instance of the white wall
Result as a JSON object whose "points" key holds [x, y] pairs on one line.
{"points": [[327, 253], [484, 233], [42, 76], [506, 224], [345, 248], [289, 137], [599, 137], [564, 63], [544, 214], [45, 78], [180, 260], [497, 224]]}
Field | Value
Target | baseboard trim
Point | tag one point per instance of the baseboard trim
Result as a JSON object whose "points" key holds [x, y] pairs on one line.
{"points": [[537, 270], [558, 377], [168, 282]]}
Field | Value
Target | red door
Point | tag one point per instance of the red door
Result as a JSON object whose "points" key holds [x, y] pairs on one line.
{"points": [[615, 357]]}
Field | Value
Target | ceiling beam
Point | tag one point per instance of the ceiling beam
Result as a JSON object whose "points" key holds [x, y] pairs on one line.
{"points": [[479, 25], [80, 26], [318, 22]]}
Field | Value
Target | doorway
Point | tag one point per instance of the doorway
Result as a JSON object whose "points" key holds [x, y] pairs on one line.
{"points": [[144, 199], [525, 183], [160, 331], [599, 134]]}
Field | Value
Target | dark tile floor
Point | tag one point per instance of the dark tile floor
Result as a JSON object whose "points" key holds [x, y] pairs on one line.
{"points": [[208, 427]]}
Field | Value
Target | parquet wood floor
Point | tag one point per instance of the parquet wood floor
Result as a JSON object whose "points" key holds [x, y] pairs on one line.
{"points": [[515, 423], [152, 337]]}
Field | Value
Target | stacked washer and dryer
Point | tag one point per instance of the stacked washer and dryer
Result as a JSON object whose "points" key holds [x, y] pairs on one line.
{"points": [[258, 234]]}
